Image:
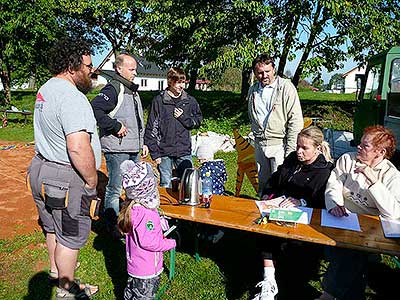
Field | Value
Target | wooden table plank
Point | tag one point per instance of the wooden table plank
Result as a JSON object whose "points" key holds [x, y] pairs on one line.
{"points": [[240, 213]]}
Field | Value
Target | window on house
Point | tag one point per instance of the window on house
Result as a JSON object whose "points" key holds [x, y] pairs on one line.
{"points": [[143, 82], [160, 85]]}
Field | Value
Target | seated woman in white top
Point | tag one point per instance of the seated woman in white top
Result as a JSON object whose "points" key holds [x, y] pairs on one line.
{"points": [[365, 182]]}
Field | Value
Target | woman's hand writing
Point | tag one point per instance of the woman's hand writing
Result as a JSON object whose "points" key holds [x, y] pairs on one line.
{"points": [[290, 202], [338, 211]]}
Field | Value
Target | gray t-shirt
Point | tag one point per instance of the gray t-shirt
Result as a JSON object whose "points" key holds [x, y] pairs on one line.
{"points": [[61, 109]]}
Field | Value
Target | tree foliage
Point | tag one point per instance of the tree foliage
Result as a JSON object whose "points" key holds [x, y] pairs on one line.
{"points": [[204, 35], [231, 80], [214, 35], [27, 28], [116, 22], [337, 80], [327, 32]]}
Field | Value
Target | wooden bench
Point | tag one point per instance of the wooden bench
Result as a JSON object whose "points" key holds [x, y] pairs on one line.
{"points": [[25, 113]]}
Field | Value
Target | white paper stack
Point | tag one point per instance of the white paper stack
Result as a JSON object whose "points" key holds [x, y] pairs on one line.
{"points": [[391, 227]]}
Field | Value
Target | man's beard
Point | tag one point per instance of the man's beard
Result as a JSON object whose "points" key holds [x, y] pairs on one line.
{"points": [[84, 84]]}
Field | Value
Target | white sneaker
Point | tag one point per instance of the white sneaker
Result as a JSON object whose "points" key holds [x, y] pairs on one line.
{"points": [[269, 289]]}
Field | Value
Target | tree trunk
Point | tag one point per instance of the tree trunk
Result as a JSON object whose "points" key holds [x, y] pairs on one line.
{"points": [[289, 38], [6, 82], [246, 73], [316, 28], [192, 79]]}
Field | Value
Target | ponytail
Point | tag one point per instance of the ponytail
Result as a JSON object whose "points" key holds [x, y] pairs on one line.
{"points": [[326, 151]]}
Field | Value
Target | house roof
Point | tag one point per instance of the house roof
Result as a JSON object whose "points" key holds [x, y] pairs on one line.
{"points": [[144, 68], [356, 68]]}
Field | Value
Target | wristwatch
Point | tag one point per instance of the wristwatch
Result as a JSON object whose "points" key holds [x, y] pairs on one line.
{"points": [[303, 202]]}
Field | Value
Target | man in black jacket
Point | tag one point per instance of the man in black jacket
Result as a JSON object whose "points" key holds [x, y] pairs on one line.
{"points": [[119, 114], [173, 114]]}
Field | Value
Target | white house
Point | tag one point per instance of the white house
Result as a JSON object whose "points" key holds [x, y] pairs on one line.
{"points": [[150, 77], [350, 80]]}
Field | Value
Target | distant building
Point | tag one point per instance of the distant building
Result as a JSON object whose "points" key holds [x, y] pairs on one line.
{"points": [[150, 77], [352, 81], [203, 85]]}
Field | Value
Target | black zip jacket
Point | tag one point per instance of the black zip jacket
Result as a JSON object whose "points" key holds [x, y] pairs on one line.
{"points": [[300, 181], [166, 135]]}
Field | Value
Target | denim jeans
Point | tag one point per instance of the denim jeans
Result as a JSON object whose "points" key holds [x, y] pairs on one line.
{"points": [[166, 165], [114, 186]]}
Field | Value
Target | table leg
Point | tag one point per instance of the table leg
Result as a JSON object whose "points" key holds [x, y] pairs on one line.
{"points": [[196, 242], [172, 263], [171, 275]]}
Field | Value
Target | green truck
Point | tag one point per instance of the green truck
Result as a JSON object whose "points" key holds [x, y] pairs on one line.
{"points": [[378, 101]]}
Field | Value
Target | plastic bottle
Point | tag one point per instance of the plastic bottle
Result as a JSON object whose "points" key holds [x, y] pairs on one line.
{"points": [[207, 189]]}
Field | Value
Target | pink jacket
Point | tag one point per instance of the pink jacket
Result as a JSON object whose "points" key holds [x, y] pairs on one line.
{"points": [[145, 243]]}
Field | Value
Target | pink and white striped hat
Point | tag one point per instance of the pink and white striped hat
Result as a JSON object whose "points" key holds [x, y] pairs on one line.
{"points": [[139, 183]]}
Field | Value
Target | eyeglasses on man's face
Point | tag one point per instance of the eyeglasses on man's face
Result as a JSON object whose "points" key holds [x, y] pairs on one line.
{"points": [[90, 66]]}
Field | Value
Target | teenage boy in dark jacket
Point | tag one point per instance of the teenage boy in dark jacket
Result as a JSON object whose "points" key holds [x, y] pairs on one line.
{"points": [[172, 115]]}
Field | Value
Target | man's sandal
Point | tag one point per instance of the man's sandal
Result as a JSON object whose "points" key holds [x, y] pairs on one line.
{"points": [[77, 291], [53, 275]]}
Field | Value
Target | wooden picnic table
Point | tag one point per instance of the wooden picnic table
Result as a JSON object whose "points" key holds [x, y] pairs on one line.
{"points": [[25, 113], [240, 213]]}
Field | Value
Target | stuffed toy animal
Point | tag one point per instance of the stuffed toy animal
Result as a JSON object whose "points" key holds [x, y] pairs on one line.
{"points": [[246, 162]]}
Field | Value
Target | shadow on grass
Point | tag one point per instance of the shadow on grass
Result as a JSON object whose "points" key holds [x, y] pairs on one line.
{"points": [[235, 259], [39, 288], [239, 260], [113, 250], [383, 280], [297, 265], [114, 258]]}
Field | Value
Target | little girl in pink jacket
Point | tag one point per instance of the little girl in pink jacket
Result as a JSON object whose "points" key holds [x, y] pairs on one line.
{"points": [[140, 220]]}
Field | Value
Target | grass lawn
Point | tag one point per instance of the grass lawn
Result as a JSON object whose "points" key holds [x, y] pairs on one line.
{"points": [[222, 112], [228, 269]]}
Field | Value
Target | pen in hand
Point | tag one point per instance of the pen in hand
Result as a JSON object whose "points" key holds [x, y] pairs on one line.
{"points": [[344, 211], [339, 211], [120, 140]]}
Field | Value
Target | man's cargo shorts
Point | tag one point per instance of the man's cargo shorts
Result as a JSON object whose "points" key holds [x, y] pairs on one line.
{"points": [[60, 196]]}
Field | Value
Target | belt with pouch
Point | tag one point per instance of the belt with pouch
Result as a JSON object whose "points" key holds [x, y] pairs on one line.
{"points": [[41, 157]]}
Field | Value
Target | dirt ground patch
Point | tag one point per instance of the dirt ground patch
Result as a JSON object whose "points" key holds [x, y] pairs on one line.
{"points": [[18, 214]]}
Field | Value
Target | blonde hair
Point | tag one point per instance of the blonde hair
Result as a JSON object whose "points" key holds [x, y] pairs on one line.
{"points": [[124, 217], [316, 135]]}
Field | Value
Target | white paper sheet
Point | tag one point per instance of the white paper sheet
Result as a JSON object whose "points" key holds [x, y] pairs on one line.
{"points": [[265, 206], [309, 212], [391, 227], [349, 223]]}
